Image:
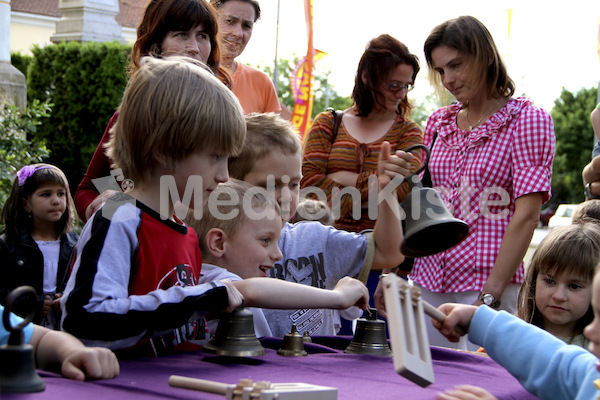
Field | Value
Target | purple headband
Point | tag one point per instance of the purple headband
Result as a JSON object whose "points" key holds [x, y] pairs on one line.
{"points": [[28, 171]]}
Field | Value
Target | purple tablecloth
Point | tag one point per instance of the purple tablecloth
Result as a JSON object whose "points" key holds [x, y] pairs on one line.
{"points": [[356, 376]]}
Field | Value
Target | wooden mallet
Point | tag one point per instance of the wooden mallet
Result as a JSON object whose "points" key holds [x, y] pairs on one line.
{"points": [[408, 335]]}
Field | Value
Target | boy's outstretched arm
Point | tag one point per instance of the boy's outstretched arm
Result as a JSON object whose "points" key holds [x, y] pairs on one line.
{"points": [[387, 233], [279, 294], [76, 360]]}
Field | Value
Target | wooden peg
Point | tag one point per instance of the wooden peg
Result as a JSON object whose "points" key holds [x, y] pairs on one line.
{"points": [[246, 389]]}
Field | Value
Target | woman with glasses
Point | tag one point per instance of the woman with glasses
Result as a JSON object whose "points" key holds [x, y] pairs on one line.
{"points": [[491, 161], [346, 159]]}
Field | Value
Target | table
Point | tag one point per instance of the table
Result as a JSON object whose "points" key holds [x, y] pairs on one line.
{"points": [[356, 376]]}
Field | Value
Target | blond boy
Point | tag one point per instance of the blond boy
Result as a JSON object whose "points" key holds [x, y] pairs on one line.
{"points": [[135, 284], [238, 235], [239, 247], [314, 254]]}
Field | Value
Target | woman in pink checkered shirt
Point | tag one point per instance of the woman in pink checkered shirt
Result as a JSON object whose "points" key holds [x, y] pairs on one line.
{"points": [[491, 161]]}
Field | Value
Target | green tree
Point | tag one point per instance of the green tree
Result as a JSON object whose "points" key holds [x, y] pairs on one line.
{"points": [[20, 61], [424, 108], [320, 87], [85, 82], [574, 141], [19, 144]]}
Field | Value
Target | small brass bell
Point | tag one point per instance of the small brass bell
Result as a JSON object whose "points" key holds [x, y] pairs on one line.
{"points": [[293, 344], [17, 369], [235, 336], [306, 337], [370, 337]]}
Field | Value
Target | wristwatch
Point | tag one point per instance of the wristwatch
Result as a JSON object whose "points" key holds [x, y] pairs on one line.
{"points": [[489, 300]]}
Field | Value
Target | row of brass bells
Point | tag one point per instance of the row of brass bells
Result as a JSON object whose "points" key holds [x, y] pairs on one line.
{"points": [[235, 336], [293, 344], [429, 228], [17, 366], [370, 337]]}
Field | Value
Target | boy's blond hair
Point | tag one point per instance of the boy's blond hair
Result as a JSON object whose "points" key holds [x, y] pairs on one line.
{"points": [[229, 198], [588, 211], [172, 108], [266, 133], [313, 210]]}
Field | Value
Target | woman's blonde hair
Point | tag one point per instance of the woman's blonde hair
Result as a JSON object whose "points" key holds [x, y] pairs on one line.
{"points": [[173, 108], [573, 250]]}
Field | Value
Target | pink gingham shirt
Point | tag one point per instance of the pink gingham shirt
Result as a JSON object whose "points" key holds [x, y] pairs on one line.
{"points": [[508, 156]]}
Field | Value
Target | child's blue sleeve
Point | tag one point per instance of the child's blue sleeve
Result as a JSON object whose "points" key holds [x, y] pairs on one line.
{"points": [[14, 320], [545, 365]]}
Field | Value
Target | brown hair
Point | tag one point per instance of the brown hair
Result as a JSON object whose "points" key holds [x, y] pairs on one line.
{"points": [[14, 217], [471, 39], [382, 55], [572, 250], [163, 16], [588, 211], [173, 107], [266, 133]]}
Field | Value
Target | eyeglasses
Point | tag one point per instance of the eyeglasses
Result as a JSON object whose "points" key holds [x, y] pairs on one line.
{"points": [[395, 87]]}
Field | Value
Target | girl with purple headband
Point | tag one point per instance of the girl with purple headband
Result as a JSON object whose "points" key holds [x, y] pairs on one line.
{"points": [[37, 239]]}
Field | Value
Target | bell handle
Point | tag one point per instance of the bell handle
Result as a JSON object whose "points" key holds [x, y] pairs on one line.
{"points": [[200, 385], [16, 336], [426, 150], [440, 317]]}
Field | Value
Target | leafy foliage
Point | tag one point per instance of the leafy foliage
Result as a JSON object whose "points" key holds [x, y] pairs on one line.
{"points": [[426, 107], [20, 61], [574, 143], [324, 94], [85, 82], [19, 144]]}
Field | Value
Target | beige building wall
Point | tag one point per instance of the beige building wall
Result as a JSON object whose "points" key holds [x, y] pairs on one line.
{"points": [[29, 29]]}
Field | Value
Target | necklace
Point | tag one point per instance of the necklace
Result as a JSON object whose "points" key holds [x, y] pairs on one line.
{"points": [[471, 126]]}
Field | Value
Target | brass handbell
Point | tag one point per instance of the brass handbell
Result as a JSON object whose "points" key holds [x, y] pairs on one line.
{"points": [[235, 336], [306, 337], [293, 344], [17, 369], [370, 337], [429, 227]]}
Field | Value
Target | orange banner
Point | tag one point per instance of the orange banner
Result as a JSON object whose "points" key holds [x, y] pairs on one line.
{"points": [[298, 91], [301, 80]]}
